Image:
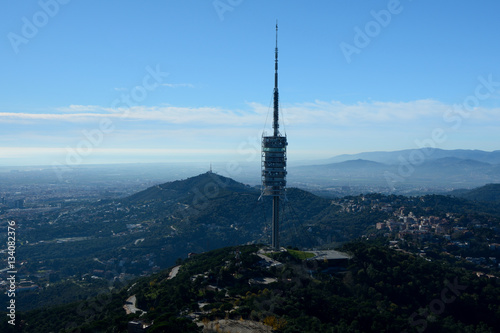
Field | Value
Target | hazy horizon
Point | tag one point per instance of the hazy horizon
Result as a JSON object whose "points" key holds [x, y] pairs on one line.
{"points": [[229, 162]]}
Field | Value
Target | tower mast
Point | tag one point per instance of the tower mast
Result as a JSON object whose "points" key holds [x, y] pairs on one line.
{"points": [[276, 93], [274, 159]]}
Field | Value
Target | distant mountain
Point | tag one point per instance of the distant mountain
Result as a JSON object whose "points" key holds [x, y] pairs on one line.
{"points": [[487, 193], [359, 164], [394, 157], [434, 168], [455, 161], [453, 168]]}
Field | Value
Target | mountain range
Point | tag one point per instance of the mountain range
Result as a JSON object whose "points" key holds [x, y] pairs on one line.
{"points": [[394, 157], [434, 170]]}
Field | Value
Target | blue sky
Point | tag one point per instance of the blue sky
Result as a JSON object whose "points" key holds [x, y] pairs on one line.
{"points": [[162, 81]]}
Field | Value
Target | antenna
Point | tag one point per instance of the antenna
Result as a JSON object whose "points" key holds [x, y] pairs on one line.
{"points": [[276, 93]]}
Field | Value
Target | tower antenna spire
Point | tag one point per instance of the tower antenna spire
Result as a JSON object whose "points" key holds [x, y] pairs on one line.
{"points": [[276, 93]]}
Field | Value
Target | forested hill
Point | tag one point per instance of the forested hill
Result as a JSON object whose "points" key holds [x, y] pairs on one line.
{"points": [[205, 185], [217, 211], [379, 290], [486, 193]]}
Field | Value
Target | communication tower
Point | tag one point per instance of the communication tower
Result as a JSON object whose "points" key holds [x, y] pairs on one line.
{"points": [[274, 159]]}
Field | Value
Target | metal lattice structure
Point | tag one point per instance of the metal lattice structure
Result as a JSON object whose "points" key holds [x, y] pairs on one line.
{"points": [[274, 159]]}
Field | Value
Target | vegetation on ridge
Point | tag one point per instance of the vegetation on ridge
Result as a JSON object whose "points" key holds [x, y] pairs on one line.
{"points": [[382, 290]]}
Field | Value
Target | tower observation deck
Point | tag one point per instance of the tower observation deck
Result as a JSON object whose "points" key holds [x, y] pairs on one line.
{"points": [[274, 159]]}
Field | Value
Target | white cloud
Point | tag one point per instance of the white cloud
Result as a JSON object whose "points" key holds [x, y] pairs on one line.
{"points": [[75, 108], [169, 114], [322, 113], [15, 151], [75, 117]]}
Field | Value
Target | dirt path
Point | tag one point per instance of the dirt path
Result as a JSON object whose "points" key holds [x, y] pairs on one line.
{"points": [[173, 272], [130, 305]]}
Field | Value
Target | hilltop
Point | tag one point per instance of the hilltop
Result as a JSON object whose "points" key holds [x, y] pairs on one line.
{"points": [[206, 185]]}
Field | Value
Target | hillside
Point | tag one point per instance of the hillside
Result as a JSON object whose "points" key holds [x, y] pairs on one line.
{"points": [[487, 193], [379, 290]]}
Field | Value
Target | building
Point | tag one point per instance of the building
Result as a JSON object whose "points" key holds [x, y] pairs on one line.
{"points": [[137, 326]]}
